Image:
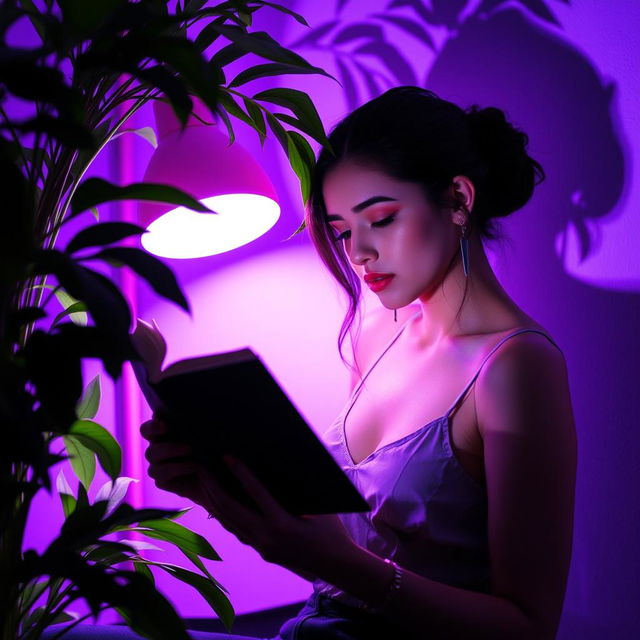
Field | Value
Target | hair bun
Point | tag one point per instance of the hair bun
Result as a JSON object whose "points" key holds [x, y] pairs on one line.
{"points": [[511, 173]]}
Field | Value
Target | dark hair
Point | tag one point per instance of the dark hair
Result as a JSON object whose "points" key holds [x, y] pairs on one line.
{"points": [[413, 135]]}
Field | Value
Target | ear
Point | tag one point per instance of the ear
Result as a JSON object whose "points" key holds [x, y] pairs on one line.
{"points": [[464, 193]]}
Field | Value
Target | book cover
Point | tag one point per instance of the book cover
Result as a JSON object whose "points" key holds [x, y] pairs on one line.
{"points": [[229, 403]]}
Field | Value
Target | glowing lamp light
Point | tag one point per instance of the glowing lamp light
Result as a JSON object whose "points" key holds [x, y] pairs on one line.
{"points": [[224, 177]]}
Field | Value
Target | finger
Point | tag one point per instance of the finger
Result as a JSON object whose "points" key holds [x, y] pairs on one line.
{"points": [[210, 493], [185, 486], [160, 452], [167, 471], [153, 429], [224, 507]]}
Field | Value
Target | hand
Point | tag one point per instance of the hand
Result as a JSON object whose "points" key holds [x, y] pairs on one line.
{"points": [[303, 544], [171, 464]]}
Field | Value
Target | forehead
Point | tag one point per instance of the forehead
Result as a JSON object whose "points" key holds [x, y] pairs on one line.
{"points": [[349, 184]]}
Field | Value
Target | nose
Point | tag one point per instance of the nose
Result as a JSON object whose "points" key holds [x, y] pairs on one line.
{"points": [[360, 249]]}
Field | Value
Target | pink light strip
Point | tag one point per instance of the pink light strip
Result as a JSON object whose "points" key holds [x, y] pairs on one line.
{"points": [[130, 397]]}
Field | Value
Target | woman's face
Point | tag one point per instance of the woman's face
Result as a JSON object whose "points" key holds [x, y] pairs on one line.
{"points": [[389, 227]]}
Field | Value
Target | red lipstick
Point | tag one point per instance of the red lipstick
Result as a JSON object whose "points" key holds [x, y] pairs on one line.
{"points": [[378, 281]]}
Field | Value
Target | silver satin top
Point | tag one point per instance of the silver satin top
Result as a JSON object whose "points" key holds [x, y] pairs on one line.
{"points": [[427, 513]]}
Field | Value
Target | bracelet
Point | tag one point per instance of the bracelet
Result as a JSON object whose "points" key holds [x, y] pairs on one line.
{"points": [[394, 586], [395, 583]]}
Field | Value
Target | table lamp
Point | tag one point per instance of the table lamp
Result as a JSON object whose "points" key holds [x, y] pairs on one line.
{"points": [[224, 177]]}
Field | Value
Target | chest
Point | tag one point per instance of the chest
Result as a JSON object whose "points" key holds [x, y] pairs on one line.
{"points": [[398, 398]]}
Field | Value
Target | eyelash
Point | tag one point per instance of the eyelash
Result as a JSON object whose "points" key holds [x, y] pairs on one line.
{"points": [[380, 223]]}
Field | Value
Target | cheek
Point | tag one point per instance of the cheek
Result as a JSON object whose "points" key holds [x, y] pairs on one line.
{"points": [[423, 246]]}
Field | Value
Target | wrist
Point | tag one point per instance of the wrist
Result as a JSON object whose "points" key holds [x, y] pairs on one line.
{"points": [[373, 580], [391, 588]]}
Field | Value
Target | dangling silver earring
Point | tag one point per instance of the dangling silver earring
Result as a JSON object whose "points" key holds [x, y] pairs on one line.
{"points": [[464, 249], [395, 315]]}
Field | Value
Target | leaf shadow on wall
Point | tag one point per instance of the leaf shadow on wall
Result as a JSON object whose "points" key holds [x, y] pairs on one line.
{"points": [[552, 92], [499, 56]]}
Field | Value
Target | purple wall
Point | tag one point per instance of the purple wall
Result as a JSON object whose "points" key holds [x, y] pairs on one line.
{"points": [[570, 259]]}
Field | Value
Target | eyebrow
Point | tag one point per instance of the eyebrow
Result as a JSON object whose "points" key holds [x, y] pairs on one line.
{"points": [[363, 205]]}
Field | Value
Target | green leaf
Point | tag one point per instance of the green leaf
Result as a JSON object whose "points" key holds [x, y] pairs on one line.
{"points": [[101, 442], [261, 44], [87, 408], [208, 590], [207, 35], [145, 609], [273, 69], [301, 105], [234, 109], [125, 515], [146, 133], [108, 307], [171, 86], [255, 113], [68, 504], [195, 559], [141, 567], [299, 230], [301, 162], [224, 116], [31, 592], [279, 131], [295, 122], [175, 533], [110, 552], [66, 494], [83, 497], [35, 616], [82, 459], [306, 152], [64, 298], [95, 191], [114, 492], [228, 54], [187, 62], [154, 271], [103, 233], [76, 312]]}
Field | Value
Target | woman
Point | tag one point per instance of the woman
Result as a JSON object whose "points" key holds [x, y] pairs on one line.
{"points": [[460, 434]]}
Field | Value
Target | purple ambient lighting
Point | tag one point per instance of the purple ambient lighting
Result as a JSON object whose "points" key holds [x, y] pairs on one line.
{"points": [[223, 176]]}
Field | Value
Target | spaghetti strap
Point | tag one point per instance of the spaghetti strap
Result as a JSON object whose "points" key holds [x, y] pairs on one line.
{"points": [[477, 373], [391, 342]]}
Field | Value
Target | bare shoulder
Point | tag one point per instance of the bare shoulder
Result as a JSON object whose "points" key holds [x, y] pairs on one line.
{"points": [[525, 418], [526, 371], [378, 327]]}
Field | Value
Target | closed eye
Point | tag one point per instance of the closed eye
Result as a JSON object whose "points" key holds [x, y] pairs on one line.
{"points": [[384, 222], [380, 223]]}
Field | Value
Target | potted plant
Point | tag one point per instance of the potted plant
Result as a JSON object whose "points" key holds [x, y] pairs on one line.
{"points": [[92, 66]]}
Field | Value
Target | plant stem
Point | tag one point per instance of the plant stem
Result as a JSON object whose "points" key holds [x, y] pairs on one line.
{"points": [[14, 135]]}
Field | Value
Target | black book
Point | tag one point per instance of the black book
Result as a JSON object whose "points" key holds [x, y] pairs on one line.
{"points": [[229, 403]]}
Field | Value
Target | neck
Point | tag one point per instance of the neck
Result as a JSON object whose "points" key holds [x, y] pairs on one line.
{"points": [[486, 304]]}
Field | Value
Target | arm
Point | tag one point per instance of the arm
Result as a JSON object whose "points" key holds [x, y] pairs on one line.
{"points": [[524, 412]]}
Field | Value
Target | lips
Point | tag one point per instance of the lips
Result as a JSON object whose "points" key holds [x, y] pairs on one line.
{"points": [[372, 277], [378, 281]]}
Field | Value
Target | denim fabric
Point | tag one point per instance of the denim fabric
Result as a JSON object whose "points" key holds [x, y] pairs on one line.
{"points": [[323, 618]]}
